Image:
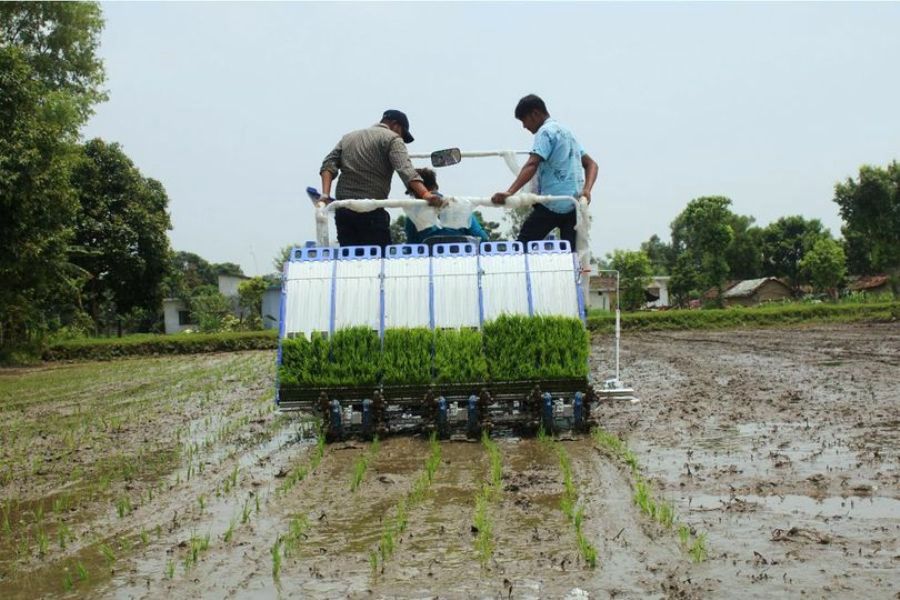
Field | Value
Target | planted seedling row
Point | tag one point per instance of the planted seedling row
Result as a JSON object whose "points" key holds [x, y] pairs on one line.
{"points": [[662, 512], [395, 526], [489, 493]]}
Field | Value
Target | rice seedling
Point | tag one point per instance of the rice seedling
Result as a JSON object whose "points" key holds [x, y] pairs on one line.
{"points": [[108, 554], [459, 356], [406, 356], [245, 512], [684, 535], [373, 561], [362, 464], [63, 534], [68, 584], [43, 542], [540, 347], [170, 569], [276, 558], [82, 571], [123, 506], [569, 505], [698, 549], [496, 468], [229, 533], [484, 537], [145, 537]]}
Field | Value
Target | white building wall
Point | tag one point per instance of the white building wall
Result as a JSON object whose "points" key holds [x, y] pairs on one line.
{"points": [[171, 308]]}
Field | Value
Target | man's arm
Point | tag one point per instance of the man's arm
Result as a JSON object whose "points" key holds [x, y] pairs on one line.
{"points": [[524, 176], [590, 175], [400, 162], [330, 168]]}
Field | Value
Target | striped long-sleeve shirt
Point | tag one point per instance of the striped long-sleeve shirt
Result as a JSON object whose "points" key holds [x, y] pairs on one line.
{"points": [[366, 160]]}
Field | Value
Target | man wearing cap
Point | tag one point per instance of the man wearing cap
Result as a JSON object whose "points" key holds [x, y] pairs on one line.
{"points": [[366, 160]]}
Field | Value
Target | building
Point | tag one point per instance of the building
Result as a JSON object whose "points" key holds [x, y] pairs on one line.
{"points": [[178, 318], [752, 292], [871, 284], [602, 292], [271, 307]]}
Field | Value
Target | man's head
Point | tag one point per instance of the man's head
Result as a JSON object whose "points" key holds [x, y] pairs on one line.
{"points": [[398, 123], [429, 180], [532, 111]]}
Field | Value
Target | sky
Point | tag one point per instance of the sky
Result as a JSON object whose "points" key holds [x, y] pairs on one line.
{"points": [[232, 106]]}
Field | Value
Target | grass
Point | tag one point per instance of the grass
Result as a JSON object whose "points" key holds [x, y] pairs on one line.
{"points": [[659, 511], [153, 344], [760, 316]]}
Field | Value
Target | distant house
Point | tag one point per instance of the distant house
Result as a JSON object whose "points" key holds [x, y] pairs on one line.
{"points": [[177, 316], [271, 307], [752, 292], [871, 284], [602, 292]]}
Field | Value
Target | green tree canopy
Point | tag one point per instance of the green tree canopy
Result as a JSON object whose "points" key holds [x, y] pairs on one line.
{"points": [[870, 207], [825, 265], [784, 244], [120, 231], [660, 254], [701, 235], [634, 275], [50, 78]]}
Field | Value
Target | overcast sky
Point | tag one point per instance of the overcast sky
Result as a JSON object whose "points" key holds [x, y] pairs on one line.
{"points": [[232, 106]]}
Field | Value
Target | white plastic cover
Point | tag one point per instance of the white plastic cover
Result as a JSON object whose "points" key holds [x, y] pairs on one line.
{"points": [[553, 290], [406, 292], [358, 293], [455, 291], [308, 297], [504, 286], [456, 215]]}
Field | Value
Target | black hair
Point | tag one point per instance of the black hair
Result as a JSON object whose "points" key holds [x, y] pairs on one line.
{"points": [[429, 180], [529, 103]]}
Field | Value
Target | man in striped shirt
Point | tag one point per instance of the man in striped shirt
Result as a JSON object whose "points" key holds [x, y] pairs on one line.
{"points": [[366, 160]]}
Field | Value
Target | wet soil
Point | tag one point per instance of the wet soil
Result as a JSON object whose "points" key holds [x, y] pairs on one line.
{"points": [[780, 445]]}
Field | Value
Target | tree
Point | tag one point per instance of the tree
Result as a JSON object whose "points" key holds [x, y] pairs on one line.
{"points": [[398, 230], [634, 275], [701, 235], [282, 257], [660, 254], [858, 249], [50, 78], [515, 218], [744, 254], [120, 231], [784, 244], [870, 207], [211, 310], [188, 271], [491, 228], [825, 265], [250, 298]]}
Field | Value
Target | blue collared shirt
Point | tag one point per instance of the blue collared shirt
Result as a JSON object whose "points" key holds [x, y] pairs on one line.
{"points": [[560, 172]]}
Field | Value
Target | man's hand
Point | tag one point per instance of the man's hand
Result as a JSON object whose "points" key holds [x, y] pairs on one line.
{"points": [[435, 200], [586, 194], [500, 197]]}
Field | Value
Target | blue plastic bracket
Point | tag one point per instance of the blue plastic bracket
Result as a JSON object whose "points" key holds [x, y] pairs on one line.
{"points": [[472, 415], [406, 251], [497, 248], [547, 412], [367, 417], [359, 252], [578, 410], [335, 418], [442, 417], [579, 294], [549, 247], [528, 287]]}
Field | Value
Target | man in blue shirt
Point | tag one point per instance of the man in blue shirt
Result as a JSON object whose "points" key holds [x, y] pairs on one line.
{"points": [[563, 169]]}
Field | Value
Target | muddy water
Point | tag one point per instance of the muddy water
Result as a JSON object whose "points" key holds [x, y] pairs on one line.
{"points": [[782, 446]]}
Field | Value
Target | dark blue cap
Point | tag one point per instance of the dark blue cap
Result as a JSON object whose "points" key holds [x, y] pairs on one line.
{"points": [[400, 117]]}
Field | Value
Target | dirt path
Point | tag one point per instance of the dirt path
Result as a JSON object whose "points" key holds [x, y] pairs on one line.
{"points": [[174, 477], [782, 445]]}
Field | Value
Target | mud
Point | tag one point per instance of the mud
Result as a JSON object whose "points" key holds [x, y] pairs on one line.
{"points": [[780, 445]]}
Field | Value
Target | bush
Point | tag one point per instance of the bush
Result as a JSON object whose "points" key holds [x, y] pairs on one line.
{"points": [[153, 344], [762, 316], [459, 356]]}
